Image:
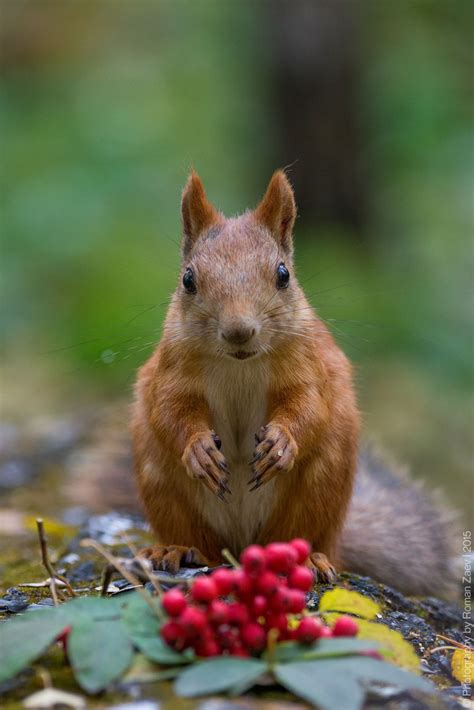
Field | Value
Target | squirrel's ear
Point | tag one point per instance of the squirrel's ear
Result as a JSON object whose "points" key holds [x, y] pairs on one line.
{"points": [[197, 212], [277, 210]]}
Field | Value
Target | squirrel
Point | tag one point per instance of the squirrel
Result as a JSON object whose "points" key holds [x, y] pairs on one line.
{"points": [[245, 424]]}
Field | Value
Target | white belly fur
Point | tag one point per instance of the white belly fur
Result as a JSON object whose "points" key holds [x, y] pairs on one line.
{"points": [[237, 395]]}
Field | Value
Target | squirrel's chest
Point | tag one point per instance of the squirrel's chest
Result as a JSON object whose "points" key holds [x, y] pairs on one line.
{"points": [[237, 397]]}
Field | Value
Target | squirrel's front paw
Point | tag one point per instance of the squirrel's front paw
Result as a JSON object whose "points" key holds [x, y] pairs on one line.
{"points": [[203, 460], [275, 453]]}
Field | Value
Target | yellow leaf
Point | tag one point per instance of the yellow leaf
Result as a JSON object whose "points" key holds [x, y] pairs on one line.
{"points": [[348, 602], [462, 666], [53, 528], [392, 644]]}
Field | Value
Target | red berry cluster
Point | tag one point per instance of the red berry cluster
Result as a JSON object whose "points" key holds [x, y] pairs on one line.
{"points": [[260, 596]]}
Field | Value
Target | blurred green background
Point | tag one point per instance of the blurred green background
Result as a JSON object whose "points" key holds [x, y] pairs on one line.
{"points": [[105, 106]]}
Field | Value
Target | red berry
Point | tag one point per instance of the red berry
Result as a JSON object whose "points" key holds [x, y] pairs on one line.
{"points": [[242, 584], [227, 638], [193, 621], [224, 580], [297, 601], [309, 630], [345, 626], [301, 578], [253, 636], [267, 584], [302, 549], [326, 633], [207, 648], [281, 600], [204, 590], [63, 637], [277, 621], [253, 559], [258, 605], [238, 614], [174, 635], [218, 612], [281, 557], [174, 602]]}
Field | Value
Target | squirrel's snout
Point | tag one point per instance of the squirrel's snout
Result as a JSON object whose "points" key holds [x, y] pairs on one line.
{"points": [[239, 334], [238, 331]]}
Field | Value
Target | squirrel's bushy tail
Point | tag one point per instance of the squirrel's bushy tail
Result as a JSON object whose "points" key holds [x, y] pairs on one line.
{"points": [[398, 534]]}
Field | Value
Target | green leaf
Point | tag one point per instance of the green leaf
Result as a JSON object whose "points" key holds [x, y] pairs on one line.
{"points": [[341, 683], [289, 651], [24, 639], [99, 652], [321, 684], [349, 602], [155, 649], [217, 676], [138, 618], [143, 627], [144, 671], [97, 608]]}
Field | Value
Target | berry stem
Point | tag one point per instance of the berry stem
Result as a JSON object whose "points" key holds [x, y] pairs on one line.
{"points": [[227, 555], [272, 639]]}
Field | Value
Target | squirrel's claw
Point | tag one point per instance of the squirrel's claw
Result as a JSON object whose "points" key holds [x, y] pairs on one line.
{"points": [[204, 461], [274, 454]]}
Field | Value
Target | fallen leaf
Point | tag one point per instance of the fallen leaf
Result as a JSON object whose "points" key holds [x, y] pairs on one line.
{"points": [[462, 666], [346, 601]]}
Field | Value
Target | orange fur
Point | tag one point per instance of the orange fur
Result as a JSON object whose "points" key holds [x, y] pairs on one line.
{"points": [[298, 384]]}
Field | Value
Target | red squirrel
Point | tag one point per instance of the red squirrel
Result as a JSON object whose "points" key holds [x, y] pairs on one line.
{"points": [[245, 423]]}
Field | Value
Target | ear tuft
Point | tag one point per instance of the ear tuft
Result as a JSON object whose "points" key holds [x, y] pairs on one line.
{"points": [[277, 210], [197, 212]]}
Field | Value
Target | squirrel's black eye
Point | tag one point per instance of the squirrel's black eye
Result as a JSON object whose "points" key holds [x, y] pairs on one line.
{"points": [[283, 276], [188, 281]]}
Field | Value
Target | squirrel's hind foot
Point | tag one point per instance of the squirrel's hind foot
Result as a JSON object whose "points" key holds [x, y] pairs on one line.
{"points": [[171, 557], [323, 570]]}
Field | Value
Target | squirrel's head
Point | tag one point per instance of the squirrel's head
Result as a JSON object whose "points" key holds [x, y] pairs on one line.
{"points": [[238, 294]]}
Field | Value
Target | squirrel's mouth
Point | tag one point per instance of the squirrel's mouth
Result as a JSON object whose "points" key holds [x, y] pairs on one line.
{"points": [[243, 354]]}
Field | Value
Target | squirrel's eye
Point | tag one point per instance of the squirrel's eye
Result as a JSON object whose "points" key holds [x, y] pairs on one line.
{"points": [[188, 281], [283, 276]]}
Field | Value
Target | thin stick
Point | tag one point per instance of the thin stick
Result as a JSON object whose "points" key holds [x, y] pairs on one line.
{"points": [[53, 575], [227, 554], [444, 648], [107, 575], [452, 642], [88, 542], [156, 585], [45, 677]]}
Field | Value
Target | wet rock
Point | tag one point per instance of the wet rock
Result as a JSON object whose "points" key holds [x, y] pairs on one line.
{"points": [[83, 572], [13, 601], [42, 604], [109, 529]]}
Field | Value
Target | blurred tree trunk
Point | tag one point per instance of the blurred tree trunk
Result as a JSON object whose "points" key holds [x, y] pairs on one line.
{"points": [[314, 54]]}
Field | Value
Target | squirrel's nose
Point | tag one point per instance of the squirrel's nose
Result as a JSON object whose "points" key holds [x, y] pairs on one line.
{"points": [[238, 334]]}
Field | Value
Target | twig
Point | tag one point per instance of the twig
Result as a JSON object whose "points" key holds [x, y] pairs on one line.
{"points": [[53, 575], [45, 676], [116, 563], [452, 642], [154, 582], [227, 554], [106, 578]]}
